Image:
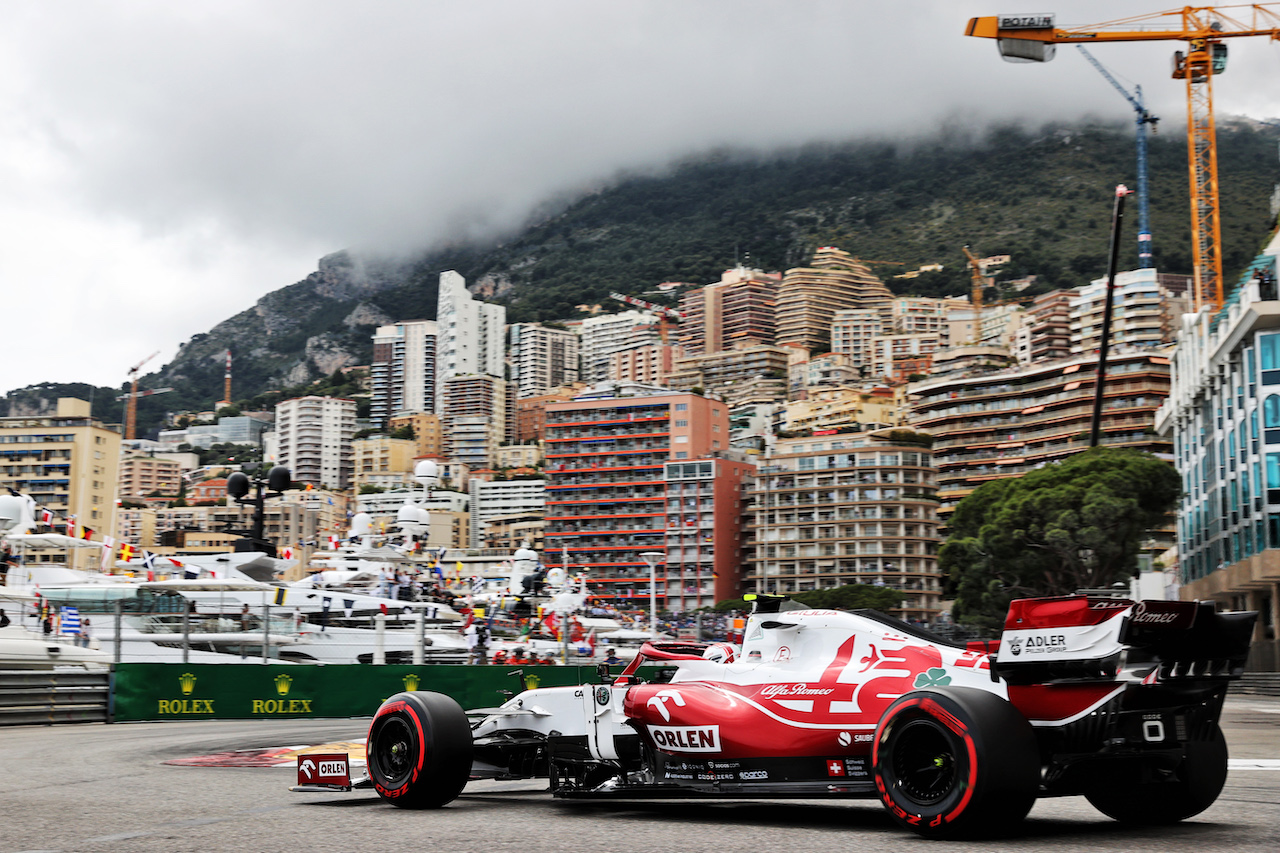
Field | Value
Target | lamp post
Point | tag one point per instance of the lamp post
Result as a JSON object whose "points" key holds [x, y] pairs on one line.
{"points": [[278, 481], [653, 558]]}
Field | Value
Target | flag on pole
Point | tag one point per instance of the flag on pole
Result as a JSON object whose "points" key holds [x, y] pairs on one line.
{"points": [[149, 559], [46, 517], [477, 585], [333, 543], [70, 620], [348, 606], [86, 533], [126, 551]]}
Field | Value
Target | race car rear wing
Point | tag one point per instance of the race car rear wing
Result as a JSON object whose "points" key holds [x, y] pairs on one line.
{"points": [[1083, 638]]}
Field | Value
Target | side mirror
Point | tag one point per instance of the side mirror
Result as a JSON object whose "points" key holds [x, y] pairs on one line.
{"points": [[602, 672], [279, 479], [238, 485]]}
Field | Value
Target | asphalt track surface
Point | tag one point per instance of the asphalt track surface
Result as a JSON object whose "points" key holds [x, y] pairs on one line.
{"points": [[106, 788]]}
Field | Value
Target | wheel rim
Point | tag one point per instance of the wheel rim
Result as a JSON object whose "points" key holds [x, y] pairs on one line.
{"points": [[924, 762], [394, 751]]}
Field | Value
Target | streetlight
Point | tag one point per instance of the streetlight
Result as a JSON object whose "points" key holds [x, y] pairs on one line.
{"points": [[653, 558], [278, 481]]}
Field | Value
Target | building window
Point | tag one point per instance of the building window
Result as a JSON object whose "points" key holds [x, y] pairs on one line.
{"points": [[1269, 351], [1271, 418]]}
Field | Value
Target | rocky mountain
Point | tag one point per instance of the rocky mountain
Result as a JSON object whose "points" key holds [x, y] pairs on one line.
{"points": [[1042, 196]]}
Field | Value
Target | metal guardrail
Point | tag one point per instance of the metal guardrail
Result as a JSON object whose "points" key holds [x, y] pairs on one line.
{"points": [[1257, 684], [35, 697]]}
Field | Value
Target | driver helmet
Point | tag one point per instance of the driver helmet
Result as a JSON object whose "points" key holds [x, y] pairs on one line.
{"points": [[720, 653]]}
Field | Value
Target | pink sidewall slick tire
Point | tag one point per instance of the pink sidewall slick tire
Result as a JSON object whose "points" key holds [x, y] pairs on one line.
{"points": [[954, 762], [419, 750]]}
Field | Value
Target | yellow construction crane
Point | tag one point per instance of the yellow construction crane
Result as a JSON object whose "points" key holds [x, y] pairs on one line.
{"points": [[979, 282], [131, 406], [1032, 38]]}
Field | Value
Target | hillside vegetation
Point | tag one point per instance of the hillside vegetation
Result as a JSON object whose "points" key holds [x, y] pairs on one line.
{"points": [[1044, 197]]}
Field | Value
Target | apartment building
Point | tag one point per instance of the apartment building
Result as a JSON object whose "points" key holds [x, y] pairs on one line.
{"points": [[1045, 333], [648, 363], [542, 358], [737, 311], [901, 356], [67, 462], [854, 332], [474, 419], [402, 374], [1006, 422], [472, 335], [809, 297], [428, 436], [749, 372], [382, 461], [503, 499], [603, 335], [142, 474], [531, 415], [313, 439], [607, 460], [847, 507], [1146, 308]]}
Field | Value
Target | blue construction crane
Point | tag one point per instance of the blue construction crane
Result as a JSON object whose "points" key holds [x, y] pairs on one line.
{"points": [[1143, 118]]}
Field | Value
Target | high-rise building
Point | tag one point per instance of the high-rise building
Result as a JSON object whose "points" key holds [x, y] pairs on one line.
{"points": [[313, 440], [67, 462], [847, 507], [474, 419], [1145, 310], [402, 375], [1223, 415], [854, 332], [1007, 422], [542, 358], [809, 297], [610, 496], [605, 334], [737, 311], [1045, 333], [472, 335]]}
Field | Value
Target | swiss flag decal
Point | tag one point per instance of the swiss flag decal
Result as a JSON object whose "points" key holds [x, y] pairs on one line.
{"points": [[835, 767]]}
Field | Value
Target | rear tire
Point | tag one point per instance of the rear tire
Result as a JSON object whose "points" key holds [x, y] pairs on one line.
{"points": [[956, 762], [1128, 795], [419, 750]]}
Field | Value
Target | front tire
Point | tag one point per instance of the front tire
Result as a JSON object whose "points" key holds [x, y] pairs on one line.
{"points": [[1129, 795], [419, 750], [955, 762]]}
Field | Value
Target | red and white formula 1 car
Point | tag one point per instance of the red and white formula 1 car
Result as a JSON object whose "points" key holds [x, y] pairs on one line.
{"points": [[1113, 699]]}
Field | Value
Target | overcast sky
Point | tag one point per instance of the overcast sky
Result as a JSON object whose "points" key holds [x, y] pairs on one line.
{"points": [[163, 165]]}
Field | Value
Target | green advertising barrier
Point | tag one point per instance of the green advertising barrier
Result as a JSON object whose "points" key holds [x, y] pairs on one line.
{"points": [[167, 691]]}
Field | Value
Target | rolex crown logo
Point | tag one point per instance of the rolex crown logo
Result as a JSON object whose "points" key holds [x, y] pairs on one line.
{"points": [[187, 681], [282, 684], [411, 682]]}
